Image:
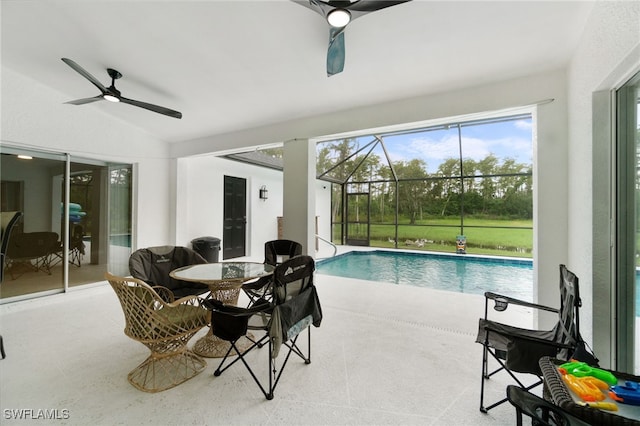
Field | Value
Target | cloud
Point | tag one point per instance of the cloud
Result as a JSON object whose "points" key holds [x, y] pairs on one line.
{"points": [[523, 124], [436, 150]]}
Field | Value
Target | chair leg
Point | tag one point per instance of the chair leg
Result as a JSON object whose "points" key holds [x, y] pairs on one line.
{"points": [[240, 357], [483, 378], [274, 372], [2, 348], [486, 375]]}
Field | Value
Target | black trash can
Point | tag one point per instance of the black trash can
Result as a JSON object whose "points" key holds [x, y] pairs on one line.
{"points": [[207, 247]]}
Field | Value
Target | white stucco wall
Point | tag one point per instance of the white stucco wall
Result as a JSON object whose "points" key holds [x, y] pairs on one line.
{"points": [[200, 185], [201, 198], [608, 53]]}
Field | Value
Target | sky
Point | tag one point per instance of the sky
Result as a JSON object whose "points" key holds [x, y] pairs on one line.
{"points": [[511, 139], [504, 139]]}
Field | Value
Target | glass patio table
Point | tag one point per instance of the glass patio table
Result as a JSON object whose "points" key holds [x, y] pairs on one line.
{"points": [[225, 280]]}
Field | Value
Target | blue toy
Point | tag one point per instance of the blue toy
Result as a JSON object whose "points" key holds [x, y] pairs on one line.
{"points": [[629, 393]]}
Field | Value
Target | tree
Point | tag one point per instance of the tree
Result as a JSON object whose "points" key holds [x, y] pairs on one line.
{"points": [[411, 193]]}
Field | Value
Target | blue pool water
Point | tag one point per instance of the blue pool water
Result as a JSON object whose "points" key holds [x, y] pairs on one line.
{"points": [[463, 274]]}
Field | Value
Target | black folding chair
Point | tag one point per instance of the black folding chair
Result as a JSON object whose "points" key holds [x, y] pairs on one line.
{"points": [[294, 308], [275, 252], [518, 350]]}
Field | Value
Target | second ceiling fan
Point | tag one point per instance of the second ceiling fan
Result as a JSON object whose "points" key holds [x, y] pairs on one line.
{"points": [[338, 14]]}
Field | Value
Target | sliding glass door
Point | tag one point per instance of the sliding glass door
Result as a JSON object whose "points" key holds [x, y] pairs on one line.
{"points": [[33, 183], [628, 226], [76, 221]]}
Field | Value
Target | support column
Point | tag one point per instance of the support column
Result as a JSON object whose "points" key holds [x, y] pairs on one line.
{"points": [[299, 197]]}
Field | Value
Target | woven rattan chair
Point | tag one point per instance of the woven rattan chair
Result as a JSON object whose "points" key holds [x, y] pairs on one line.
{"points": [[165, 328]]}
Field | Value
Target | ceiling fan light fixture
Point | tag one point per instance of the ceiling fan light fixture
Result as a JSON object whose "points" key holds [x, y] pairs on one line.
{"points": [[338, 18], [110, 98]]}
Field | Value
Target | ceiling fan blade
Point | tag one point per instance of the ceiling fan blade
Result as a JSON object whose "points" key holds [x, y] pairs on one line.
{"points": [[85, 74], [151, 107], [336, 52], [86, 100], [357, 9], [366, 6]]}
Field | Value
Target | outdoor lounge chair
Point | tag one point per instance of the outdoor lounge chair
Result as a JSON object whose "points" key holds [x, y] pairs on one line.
{"points": [[31, 251], [295, 307], [543, 413], [153, 264], [518, 350], [165, 328], [275, 252]]}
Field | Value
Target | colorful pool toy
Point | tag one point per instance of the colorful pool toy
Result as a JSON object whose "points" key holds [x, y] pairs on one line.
{"points": [[629, 393], [582, 369]]}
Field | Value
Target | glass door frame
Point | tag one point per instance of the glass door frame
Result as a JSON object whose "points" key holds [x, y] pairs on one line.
{"points": [[626, 216]]}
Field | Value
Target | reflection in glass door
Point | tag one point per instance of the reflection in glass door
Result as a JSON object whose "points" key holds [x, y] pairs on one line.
{"points": [[88, 236], [32, 183], [628, 226], [120, 214], [76, 223]]}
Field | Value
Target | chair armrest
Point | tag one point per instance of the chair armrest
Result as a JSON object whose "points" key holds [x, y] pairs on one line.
{"points": [[187, 300], [164, 293], [502, 302]]}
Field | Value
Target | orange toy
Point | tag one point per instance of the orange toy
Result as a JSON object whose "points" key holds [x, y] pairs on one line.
{"points": [[588, 388]]}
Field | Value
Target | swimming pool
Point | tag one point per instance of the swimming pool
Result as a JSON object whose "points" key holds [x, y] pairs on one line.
{"points": [[463, 274]]}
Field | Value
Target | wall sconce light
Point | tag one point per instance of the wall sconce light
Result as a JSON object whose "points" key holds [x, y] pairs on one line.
{"points": [[264, 193]]}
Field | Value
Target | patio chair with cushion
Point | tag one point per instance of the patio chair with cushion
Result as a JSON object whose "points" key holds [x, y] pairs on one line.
{"points": [[153, 264], [518, 350], [165, 328], [295, 307], [275, 252]]}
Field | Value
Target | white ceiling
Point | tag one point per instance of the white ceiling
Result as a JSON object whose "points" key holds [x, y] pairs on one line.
{"points": [[233, 65]]}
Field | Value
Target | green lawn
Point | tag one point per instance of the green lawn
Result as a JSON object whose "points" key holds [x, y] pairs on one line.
{"points": [[496, 237]]}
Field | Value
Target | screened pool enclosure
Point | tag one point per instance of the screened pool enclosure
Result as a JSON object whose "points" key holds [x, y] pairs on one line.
{"points": [[461, 186]]}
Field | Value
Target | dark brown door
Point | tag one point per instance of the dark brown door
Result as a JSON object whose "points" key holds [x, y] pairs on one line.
{"points": [[235, 217]]}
